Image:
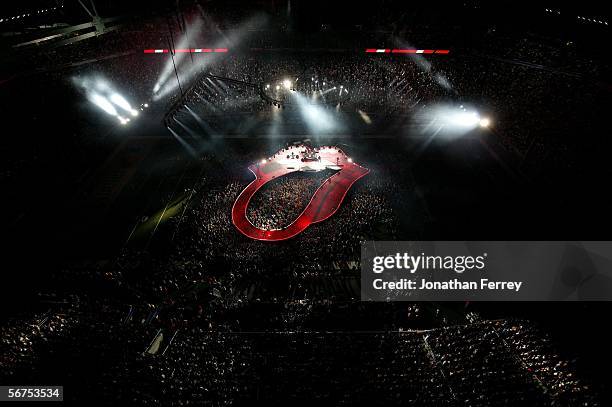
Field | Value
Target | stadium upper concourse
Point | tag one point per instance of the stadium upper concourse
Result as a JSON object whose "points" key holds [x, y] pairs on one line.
{"points": [[132, 130]]}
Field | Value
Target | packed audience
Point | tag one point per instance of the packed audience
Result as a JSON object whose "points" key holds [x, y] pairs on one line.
{"points": [[216, 360], [206, 314], [259, 320], [537, 354], [278, 203]]}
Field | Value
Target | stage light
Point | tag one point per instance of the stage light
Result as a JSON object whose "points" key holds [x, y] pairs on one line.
{"points": [[103, 103], [316, 118], [451, 121], [464, 119], [277, 87], [485, 122], [364, 116], [167, 82], [350, 160], [193, 30], [121, 102], [101, 85], [146, 105], [287, 83], [183, 143], [264, 161], [99, 92]]}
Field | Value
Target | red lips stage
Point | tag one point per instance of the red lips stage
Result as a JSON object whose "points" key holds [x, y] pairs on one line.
{"points": [[323, 204]]}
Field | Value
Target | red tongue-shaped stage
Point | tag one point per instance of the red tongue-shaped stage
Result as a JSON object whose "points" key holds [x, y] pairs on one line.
{"points": [[323, 204]]}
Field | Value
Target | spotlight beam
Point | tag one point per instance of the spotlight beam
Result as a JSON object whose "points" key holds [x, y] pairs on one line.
{"points": [[187, 73], [191, 133], [316, 118], [192, 32], [103, 103], [182, 142], [203, 125]]}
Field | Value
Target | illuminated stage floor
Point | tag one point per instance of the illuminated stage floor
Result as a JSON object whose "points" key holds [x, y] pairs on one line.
{"points": [[323, 204]]}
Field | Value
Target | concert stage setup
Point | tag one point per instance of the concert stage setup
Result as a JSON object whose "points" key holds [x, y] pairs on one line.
{"points": [[323, 204]]}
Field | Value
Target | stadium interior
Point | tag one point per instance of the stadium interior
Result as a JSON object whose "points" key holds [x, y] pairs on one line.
{"points": [[132, 128]]}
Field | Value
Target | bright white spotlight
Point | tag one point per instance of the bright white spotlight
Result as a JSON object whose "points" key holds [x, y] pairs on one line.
{"points": [[316, 118], [364, 116], [146, 105], [264, 161], [286, 83], [103, 103], [121, 102], [350, 160], [193, 30], [464, 119], [449, 121], [485, 122], [101, 85], [277, 87], [134, 112]]}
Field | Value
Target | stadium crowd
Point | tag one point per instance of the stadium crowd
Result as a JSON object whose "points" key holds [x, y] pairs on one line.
{"points": [[196, 286], [490, 363], [278, 203]]}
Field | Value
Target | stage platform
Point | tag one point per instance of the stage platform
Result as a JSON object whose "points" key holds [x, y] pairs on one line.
{"points": [[323, 204]]}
